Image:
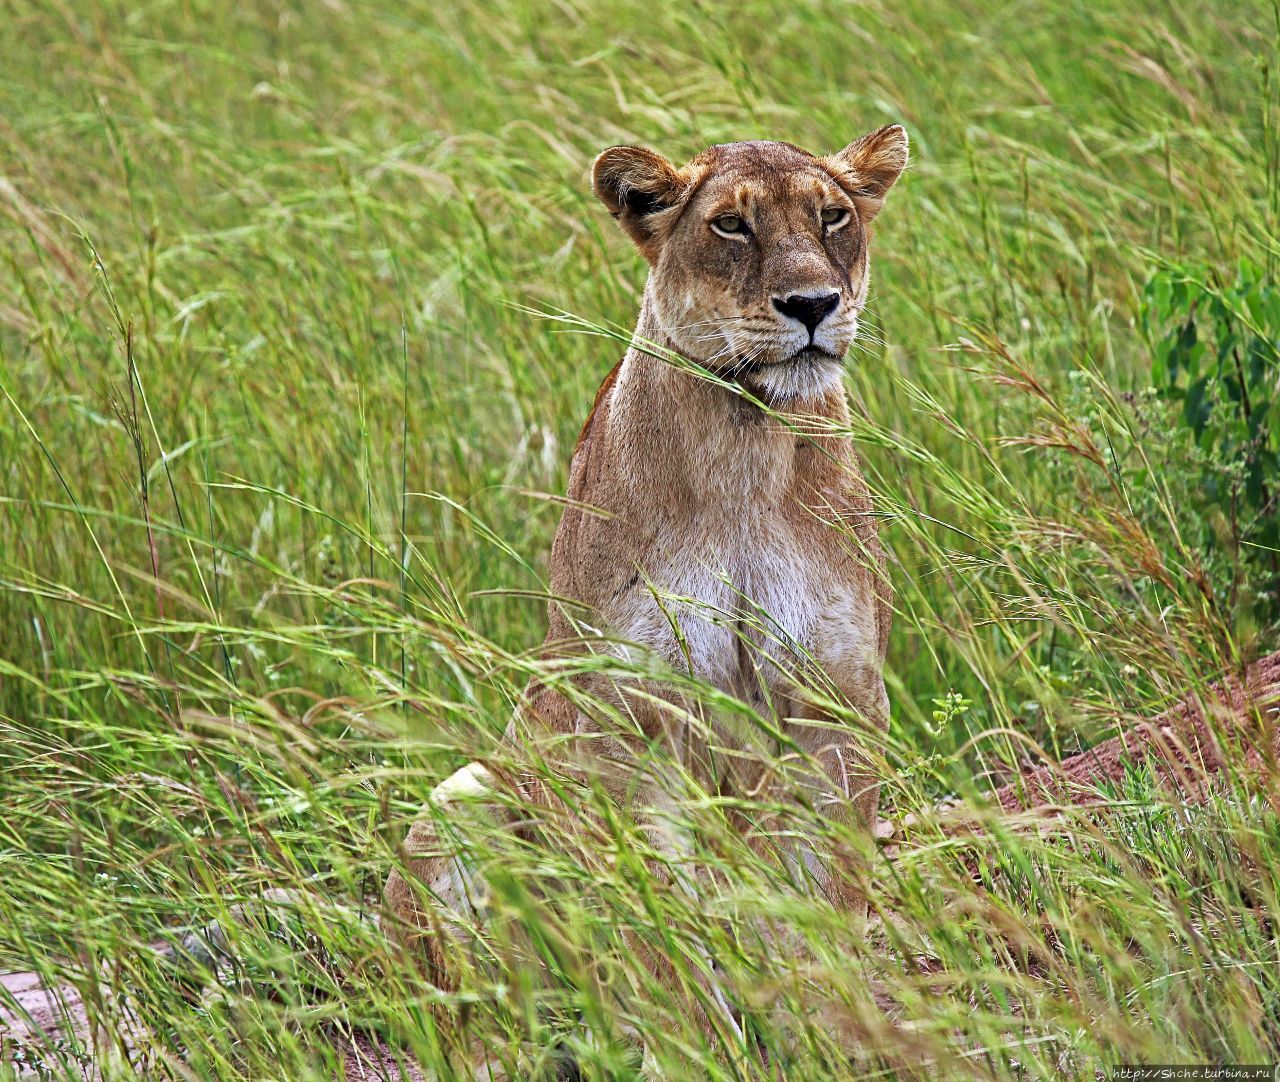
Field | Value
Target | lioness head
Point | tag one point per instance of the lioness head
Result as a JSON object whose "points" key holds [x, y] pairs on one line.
{"points": [[757, 251]]}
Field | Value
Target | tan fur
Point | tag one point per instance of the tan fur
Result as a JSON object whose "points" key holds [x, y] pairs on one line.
{"points": [[690, 505]]}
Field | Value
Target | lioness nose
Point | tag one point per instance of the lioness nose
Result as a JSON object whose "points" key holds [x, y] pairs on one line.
{"points": [[809, 308]]}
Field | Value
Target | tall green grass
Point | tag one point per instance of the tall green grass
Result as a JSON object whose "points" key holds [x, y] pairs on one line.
{"points": [[281, 440]]}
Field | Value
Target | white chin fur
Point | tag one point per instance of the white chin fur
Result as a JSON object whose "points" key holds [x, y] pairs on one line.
{"points": [[791, 380]]}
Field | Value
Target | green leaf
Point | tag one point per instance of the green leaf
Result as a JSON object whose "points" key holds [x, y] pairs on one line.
{"points": [[1196, 408]]}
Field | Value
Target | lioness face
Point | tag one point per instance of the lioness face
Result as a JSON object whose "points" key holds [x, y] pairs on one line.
{"points": [[758, 252]]}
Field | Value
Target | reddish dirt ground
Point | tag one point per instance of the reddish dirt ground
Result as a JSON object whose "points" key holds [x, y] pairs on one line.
{"points": [[1234, 724]]}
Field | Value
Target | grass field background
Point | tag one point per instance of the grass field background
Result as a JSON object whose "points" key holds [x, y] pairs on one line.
{"points": [[286, 398]]}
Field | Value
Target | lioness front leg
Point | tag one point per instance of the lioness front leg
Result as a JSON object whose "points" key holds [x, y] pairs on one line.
{"points": [[840, 784], [649, 751]]}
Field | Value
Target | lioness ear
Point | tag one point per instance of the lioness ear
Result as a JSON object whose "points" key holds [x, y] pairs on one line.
{"points": [[867, 168], [636, 186]]}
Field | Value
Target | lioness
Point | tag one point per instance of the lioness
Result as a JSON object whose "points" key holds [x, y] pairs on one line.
{"points": [[718, 523]]}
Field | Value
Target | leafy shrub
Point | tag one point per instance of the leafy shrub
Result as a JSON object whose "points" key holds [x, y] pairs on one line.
{"points": [[1216, 354]]}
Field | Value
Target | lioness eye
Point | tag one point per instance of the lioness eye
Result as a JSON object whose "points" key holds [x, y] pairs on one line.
{"points": [[834, 215], [728, 224]]}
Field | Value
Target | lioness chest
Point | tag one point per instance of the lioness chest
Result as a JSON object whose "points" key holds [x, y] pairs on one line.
{"points": [[749, 604], [725, 544]]}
